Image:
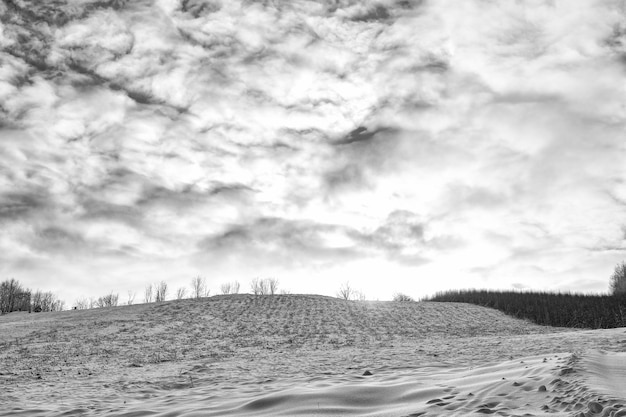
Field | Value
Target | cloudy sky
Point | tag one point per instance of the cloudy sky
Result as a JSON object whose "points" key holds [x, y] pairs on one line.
{"points": [[401, 145]]}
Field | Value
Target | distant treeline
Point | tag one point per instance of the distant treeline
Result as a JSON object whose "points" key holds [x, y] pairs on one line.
{"points": [[15, 297], [546, 308]]}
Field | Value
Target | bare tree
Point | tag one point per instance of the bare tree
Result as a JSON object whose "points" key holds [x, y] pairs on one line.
{"points": [[230, 288], [160, 291], [114, 299], [147, 294], [180, 293], [267, 286], [81, 304], [617, 284], [58, 305], [109, 300], [358, 296], [271, 285], [46, 301], [198, 287], [131, 297], [13, 297], [257, 286], [345, 291], [92, 302]]}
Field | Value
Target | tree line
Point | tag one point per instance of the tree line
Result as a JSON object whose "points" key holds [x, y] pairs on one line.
{"points": [[595, 311], [15, 297], [548, 308]]}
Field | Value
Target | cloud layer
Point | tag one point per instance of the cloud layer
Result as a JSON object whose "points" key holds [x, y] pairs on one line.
{"points": [[475, 144]]}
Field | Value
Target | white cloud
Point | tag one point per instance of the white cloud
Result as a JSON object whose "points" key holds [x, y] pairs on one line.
{"points": [[233, 137]]}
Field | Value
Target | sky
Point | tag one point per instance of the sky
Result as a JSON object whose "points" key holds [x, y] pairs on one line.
{"points": [[399, 145]]}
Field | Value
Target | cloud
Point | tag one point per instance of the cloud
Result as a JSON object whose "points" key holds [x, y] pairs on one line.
{"points": [[399, 238], [482, 141], [347, 177], [22, 205], [199, 8], [285, 242], [53, 239]]}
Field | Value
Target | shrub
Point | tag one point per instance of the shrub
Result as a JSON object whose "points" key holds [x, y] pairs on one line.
{"points": [[402, 297]]}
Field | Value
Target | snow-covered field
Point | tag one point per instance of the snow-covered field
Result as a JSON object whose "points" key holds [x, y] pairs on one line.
{"points": [[304, 355]]}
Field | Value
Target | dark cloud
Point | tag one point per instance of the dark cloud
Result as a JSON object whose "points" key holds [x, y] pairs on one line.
{"points": [[410, 4], [348, 177], [74, 243], [92, 78], [608, 249], [360, 134], [28, 42], [363, 150], [99, 209], [24, 205], [189, 196], [434, 63], [31, 25], [373, 13], [275, 233], [521, 97], [290, 242], [400, 238], [199, 8], [58, 239], [617, 40], [402, 229], [58, 12]]}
